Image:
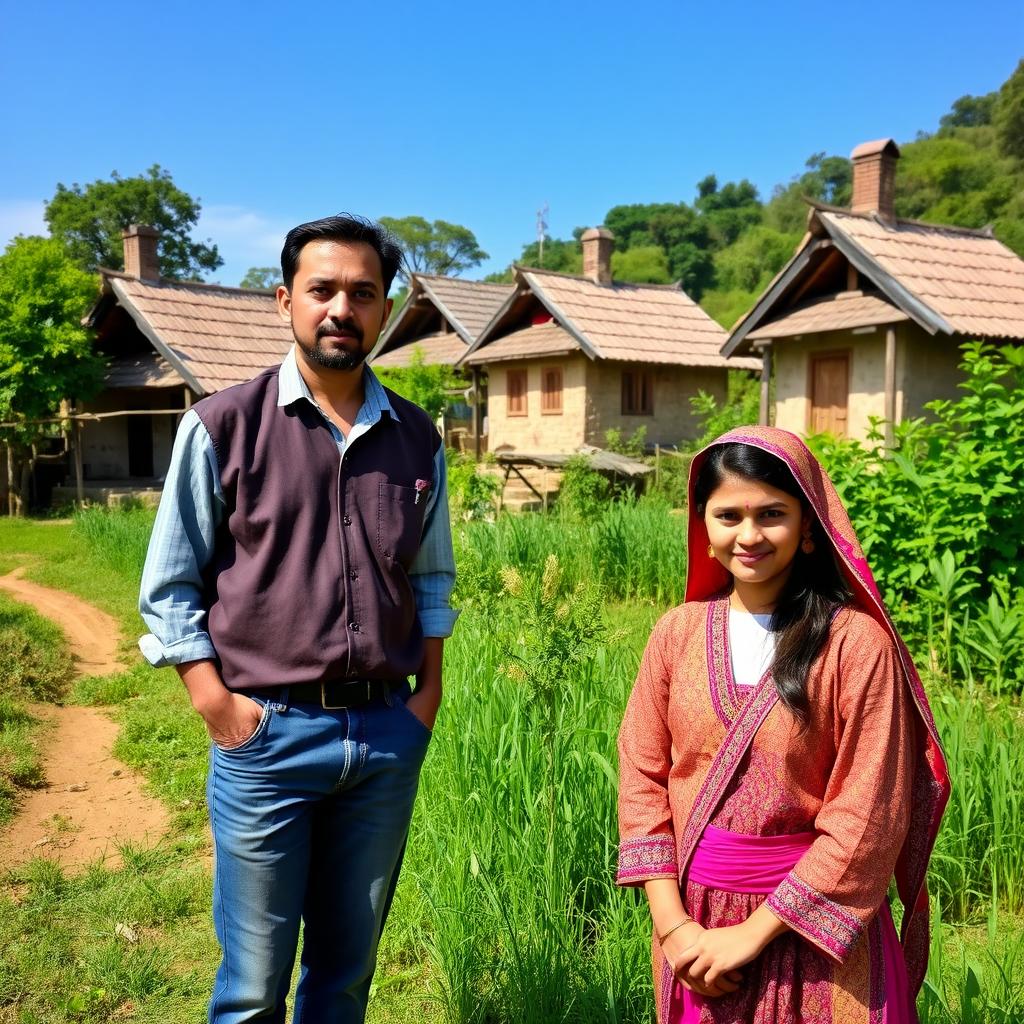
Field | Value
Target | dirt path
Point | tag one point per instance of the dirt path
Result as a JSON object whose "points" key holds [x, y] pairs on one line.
{"points": [[91, 801]]}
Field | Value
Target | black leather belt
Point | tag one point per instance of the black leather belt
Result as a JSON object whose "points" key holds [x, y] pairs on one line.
{"points": [[340, 693]]}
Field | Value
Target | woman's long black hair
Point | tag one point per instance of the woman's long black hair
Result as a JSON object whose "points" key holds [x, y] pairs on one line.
{"points": [[815, 588]]}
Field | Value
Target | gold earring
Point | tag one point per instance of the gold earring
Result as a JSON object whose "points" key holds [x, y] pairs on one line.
{"points": [[711, 551], [807, 545]]}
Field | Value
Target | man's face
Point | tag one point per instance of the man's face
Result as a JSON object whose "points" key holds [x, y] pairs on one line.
{"points": [[337, 305]]}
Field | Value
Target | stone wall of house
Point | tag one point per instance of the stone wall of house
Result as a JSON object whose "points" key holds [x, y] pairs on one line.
{"points": [[537, 431], [105, 442], [791, 369], [672, 420], [926, 369]]}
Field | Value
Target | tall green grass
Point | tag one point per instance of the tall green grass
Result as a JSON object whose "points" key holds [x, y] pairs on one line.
{"points": [[633, 549], [506, 909], [117, 537]]}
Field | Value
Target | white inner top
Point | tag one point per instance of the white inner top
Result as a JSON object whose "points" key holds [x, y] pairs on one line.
{"points": [[751, 646]]}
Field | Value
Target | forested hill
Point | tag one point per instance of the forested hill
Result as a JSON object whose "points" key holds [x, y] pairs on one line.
{"points": [[728, 243]]}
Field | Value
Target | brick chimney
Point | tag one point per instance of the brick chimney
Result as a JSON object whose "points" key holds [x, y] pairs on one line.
{"points": [[597, 254], [140, 257], [874, 178]]}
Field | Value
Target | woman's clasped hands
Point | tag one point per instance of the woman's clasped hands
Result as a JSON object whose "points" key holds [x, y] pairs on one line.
{"points": [[706, 960]]}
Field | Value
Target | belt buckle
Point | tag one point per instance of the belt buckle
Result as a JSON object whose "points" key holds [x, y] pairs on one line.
{"points": [[339, 707], [323, 700]]}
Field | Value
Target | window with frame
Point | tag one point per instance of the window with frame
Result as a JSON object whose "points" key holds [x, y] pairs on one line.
{"points": [[637, 393], [515, 392], [551, 390]]}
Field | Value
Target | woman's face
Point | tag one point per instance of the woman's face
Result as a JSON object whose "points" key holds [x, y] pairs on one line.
{"points": [[755, 530]]}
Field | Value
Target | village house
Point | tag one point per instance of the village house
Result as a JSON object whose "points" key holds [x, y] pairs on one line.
{"points": [[169, 343], [867, 318], [568, 358]]}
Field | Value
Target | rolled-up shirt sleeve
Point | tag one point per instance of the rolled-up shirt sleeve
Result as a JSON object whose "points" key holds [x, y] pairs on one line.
{"points": [[180, 547], [432, 573]]}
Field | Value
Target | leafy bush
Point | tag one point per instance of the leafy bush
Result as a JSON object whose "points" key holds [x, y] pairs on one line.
{"points": [[940, 514], [426, 385], [471, 493], [583, 491], [742, 406], [634, 446]]}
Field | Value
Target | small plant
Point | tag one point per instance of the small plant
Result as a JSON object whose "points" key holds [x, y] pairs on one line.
{"points": [[584, 491], [634, 446], [472, 494]]}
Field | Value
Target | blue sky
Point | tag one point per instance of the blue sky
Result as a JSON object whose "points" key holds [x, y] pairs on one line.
{"points": [[475, 113]]}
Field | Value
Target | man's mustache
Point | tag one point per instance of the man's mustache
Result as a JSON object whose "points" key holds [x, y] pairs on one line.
{"points": [[349, 325]]}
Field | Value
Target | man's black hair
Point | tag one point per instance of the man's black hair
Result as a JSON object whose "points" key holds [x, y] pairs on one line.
{"points": [[343, 227]]}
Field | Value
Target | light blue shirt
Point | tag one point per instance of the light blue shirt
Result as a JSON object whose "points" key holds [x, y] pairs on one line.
{"points": [[192, 506]]}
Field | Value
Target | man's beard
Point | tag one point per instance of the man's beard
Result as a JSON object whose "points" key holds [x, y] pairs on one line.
{"points": [[334, 359]]}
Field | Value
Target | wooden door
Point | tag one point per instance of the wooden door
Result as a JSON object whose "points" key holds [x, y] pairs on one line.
{"points": [[830, 393]]}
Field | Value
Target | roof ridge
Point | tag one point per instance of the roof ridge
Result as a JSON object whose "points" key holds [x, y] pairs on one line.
{"points": [[985, 232], [170, 282], [675, 286], [461, 280]]}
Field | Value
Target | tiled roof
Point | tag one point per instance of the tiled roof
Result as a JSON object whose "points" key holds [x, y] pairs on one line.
{"points": [[973, 282], [144, 370], [470, 303], [634, 322], [621, 322], [833, 313], [215, 336], [540, 340], [437, 349], [467, 306]]}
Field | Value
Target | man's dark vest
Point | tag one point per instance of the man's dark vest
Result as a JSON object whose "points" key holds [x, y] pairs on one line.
{"points": [[309, 577]]}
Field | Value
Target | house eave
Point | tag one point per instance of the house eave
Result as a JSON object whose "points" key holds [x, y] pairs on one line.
{"points": [[154, 338]]}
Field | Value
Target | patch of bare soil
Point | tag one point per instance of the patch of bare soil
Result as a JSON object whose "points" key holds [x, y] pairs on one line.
{"points": [[91, 802]]}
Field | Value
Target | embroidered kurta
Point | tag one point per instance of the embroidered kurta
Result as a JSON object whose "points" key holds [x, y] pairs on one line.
{"points": [[845, 778], [866, 778]]}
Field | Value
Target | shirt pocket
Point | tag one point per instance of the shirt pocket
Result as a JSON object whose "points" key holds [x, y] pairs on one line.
{"points": [[400, 513]]}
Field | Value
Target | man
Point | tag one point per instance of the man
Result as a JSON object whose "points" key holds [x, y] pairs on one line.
{"points": [[299, 572]]}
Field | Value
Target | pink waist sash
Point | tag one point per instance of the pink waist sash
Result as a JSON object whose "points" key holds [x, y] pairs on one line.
{"points": [[752, 864]]}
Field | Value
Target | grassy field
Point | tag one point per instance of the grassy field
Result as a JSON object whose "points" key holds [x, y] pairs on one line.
{"points": [[506, 911]]}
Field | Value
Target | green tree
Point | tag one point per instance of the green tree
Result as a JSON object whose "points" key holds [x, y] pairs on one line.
{"points": [[729, 210], [1008, 115], [45, 353], [261, 278], [90, 219], [828, 179], [435, 248], [968, 112], [644, 264], [753, 259], [563, 255], [425, 384]]}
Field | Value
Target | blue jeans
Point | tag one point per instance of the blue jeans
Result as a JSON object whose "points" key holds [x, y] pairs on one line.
{"points": [[309, 818]]}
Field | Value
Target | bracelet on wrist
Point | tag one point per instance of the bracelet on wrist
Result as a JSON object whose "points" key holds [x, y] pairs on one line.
{"points": [[674, 928]]}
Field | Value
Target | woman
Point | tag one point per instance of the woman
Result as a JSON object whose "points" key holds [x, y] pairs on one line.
{"points": [[779, 762]]}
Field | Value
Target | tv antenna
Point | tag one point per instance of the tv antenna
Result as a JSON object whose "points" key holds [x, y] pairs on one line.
{"points": [[542, 227]]}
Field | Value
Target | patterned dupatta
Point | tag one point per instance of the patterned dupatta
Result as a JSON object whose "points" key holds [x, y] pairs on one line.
{"points": [[707, 577]]}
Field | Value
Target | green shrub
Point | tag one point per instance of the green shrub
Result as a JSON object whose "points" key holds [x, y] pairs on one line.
{"points": [[583, 491], [952, 485], [472, 494]]}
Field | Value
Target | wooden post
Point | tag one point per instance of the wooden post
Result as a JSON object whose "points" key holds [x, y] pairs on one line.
{"points": [[476, 413], [11, 506], [764, 417], [79, 483], [890, 385], [657, 465]]}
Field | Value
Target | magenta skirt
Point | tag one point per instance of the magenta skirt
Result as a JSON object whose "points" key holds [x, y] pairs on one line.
{"points": [[728, 878]]}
